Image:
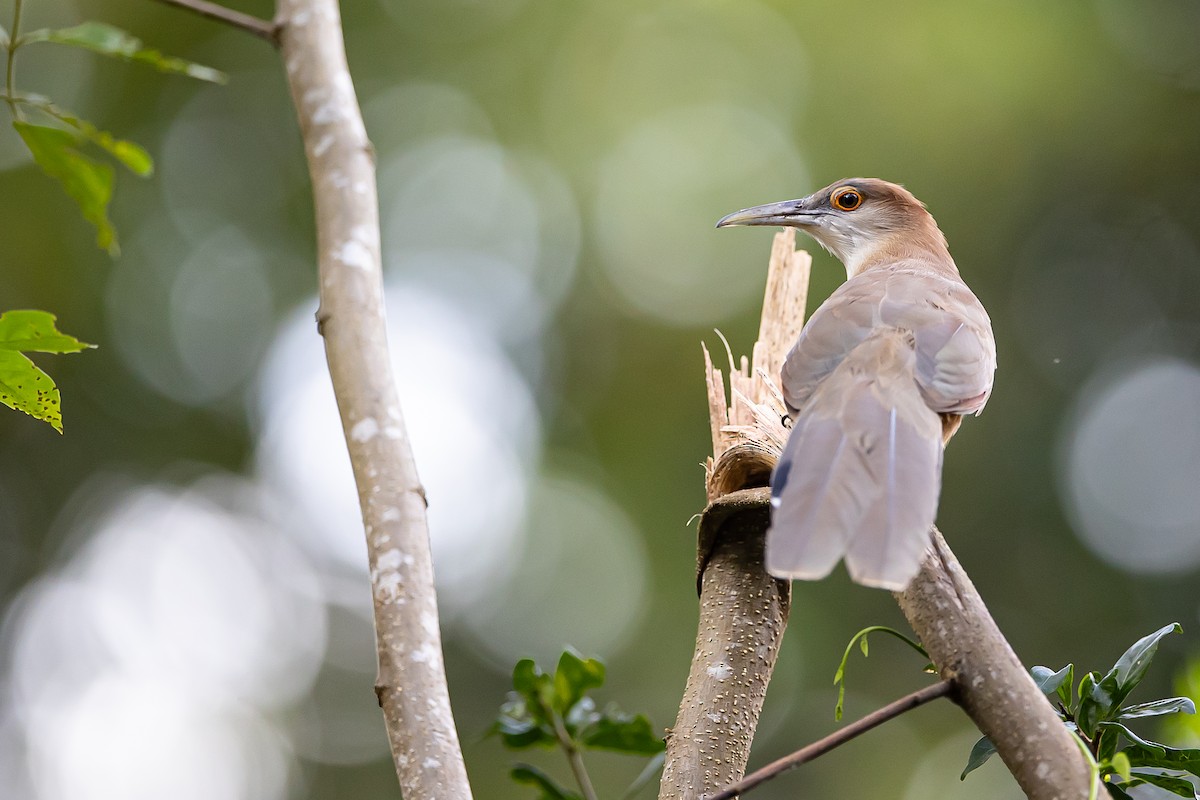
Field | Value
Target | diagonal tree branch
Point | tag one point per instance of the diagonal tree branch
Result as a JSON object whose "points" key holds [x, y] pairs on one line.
{"points": [[263, 29], [412, 679], [949, 617]]}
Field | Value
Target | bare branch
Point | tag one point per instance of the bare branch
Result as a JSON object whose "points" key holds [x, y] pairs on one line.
{"points": [[263, 29], [835, 739], [412, 679], [996, 691]]}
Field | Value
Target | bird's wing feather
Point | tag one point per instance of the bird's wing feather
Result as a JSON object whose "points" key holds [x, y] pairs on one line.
{"points": [[861, 472], [956, 354]]}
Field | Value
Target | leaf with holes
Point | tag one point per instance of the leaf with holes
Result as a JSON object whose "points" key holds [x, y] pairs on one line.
{"points": [[116, 43], [23, 386]]}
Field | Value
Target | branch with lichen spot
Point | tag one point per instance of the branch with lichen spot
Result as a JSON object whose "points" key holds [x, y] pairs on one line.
{"points": [[411, 685]]}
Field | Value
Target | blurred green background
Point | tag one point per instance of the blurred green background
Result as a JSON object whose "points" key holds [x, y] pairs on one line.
{"points": [[182, 580]]}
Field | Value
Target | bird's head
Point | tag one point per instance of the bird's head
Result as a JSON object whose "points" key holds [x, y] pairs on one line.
{"points": [[855, 219]]}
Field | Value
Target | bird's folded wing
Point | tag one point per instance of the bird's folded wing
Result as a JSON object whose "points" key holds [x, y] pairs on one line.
{"points": [[956, 355]]}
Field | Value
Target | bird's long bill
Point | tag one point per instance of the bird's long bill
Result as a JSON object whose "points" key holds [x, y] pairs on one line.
{"points": [[788, 212]]}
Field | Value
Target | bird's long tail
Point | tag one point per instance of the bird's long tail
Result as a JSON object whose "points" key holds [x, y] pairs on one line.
{"points": [[860, 474]]}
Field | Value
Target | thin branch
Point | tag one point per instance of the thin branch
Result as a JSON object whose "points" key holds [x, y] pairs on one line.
{"points": [[263, 29], [839, 737], [574, 758], [13, 44]]}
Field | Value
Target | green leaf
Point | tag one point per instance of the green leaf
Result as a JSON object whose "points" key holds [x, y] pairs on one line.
{"points": [[529, 775], [1155, 708], [89, 183], [109, 41], [23, 386], [573, 678], [1090, 711], [980, 753], [518, 729], [1180, 786], [1121, 766], [535, 687], [1106, 743], [1117, 793], [1187, 760], [1114, 687], [624, 733], [32, 331], [1051, 682], [132, 155], [1158, 750]]}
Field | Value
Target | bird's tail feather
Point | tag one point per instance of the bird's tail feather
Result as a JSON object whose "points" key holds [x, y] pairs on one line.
{"points": [[860, 475]]}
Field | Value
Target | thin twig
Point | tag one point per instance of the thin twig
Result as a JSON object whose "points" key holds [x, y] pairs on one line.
{"points": [[13, 44], [574, 758], [818, 748], [263, 29]]}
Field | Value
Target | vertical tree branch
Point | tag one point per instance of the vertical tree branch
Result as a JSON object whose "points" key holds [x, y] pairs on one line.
{"points": [[743, 613], [412, 680], [743, 610]]}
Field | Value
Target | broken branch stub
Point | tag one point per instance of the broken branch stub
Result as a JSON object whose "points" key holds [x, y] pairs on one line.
{"points": [[743, 610]]}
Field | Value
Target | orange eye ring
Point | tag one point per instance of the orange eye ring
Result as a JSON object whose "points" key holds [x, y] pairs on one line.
{"points": [[846, 198]]}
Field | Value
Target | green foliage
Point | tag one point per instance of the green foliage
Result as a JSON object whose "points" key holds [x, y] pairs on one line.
{"points": [[58, 145], [23, 386], [839, 677], [546, 711], [116, 43], [86, 181], [1096, 714], [548, 788]]}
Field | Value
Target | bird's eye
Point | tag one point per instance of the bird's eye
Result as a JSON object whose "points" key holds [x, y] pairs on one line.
{"points": [[847, 198]]}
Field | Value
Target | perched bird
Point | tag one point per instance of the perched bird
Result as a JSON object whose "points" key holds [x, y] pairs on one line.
{"points": [[876, 385]]}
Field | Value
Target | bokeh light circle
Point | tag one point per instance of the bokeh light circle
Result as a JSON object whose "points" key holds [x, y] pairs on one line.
{"points": [[1128, 466], [661, 189]]}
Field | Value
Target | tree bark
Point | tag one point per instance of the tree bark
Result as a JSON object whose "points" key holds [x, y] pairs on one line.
{"points": [[411, 685], [743, 613], [996, 691]]}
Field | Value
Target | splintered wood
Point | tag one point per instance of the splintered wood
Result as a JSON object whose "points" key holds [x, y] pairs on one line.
{"points": [[747, 431]]}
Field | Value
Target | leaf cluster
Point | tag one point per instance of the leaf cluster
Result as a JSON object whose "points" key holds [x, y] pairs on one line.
{"points": [[556, 710], [1095, 710], [59, 140]]}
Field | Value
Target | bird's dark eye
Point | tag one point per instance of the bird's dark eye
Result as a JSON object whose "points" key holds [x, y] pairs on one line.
{"points": [[847, 198]]}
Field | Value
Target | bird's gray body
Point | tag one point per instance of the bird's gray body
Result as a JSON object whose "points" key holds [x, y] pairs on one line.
{"points": [[895, 353]]}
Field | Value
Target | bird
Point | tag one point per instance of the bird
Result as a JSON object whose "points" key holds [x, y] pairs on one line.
{"points": [[876, 384]]}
